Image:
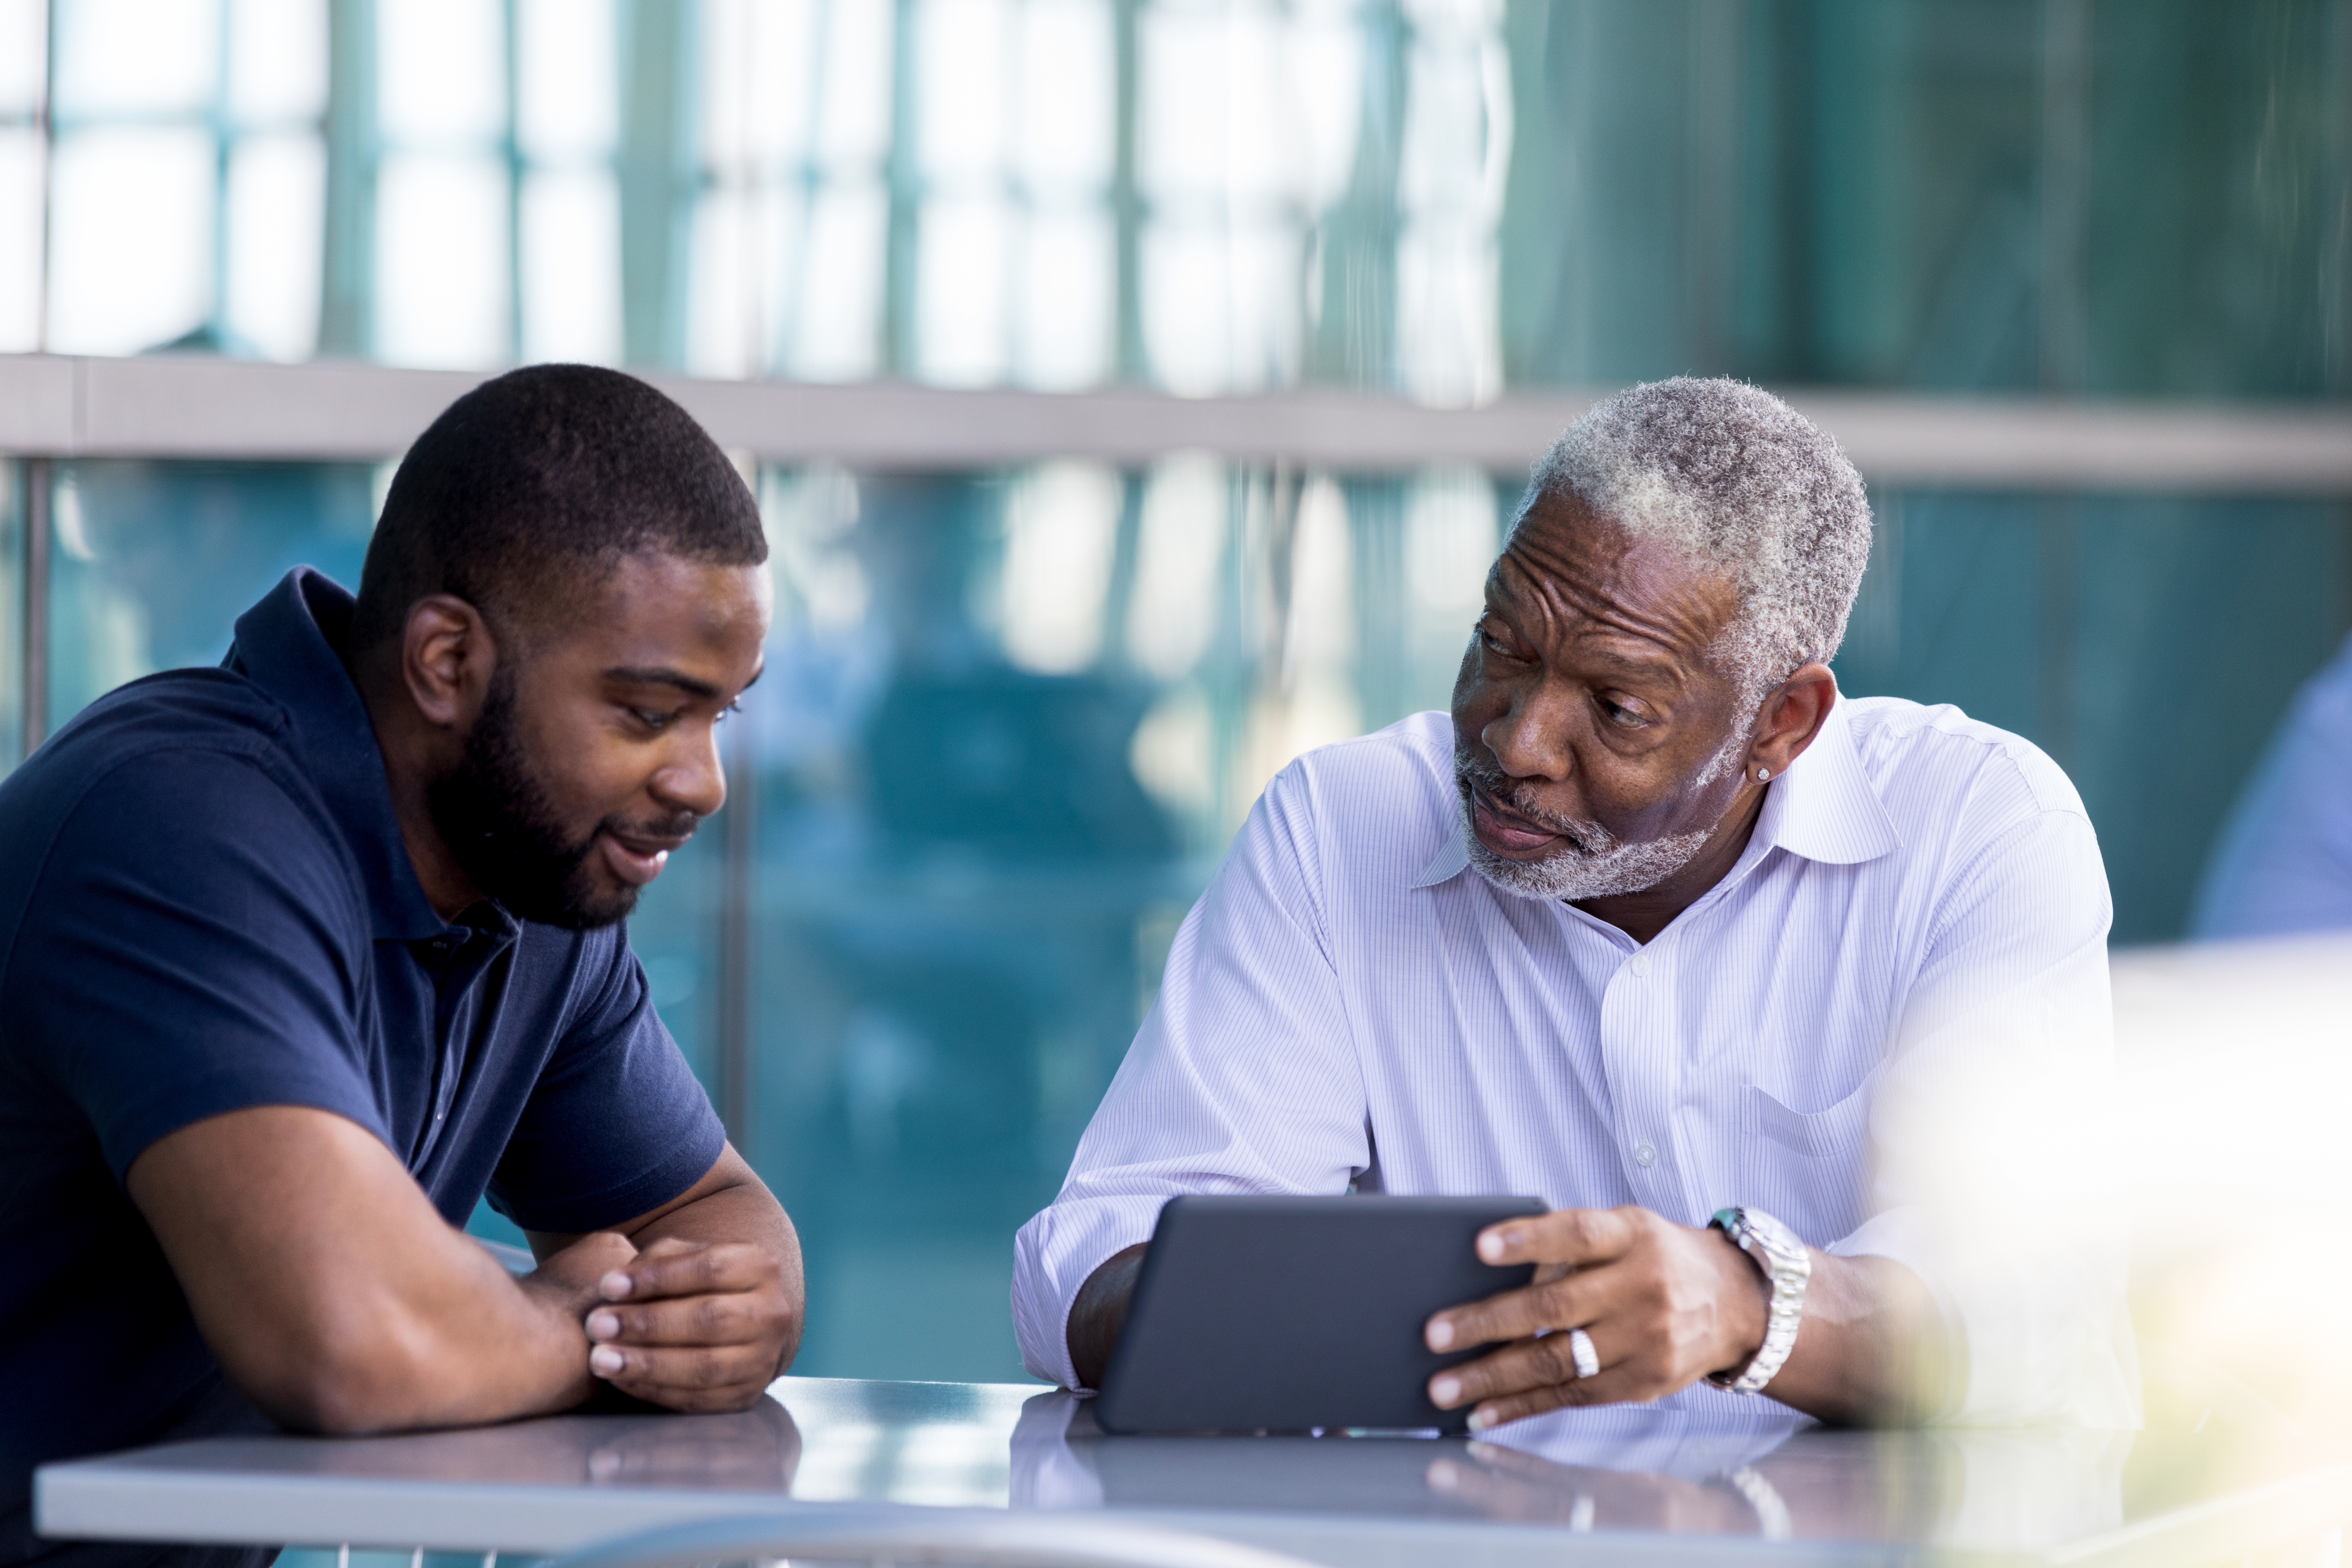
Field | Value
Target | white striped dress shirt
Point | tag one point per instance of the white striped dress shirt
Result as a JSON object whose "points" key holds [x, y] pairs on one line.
{"points": [[1864, 1029]]}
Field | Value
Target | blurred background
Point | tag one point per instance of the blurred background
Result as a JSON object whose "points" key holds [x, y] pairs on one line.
{"points": [[1018, 699]]}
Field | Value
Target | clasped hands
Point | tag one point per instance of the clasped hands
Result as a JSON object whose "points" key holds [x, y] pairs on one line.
{"points": [[1663, 1305], [689, 1325]]}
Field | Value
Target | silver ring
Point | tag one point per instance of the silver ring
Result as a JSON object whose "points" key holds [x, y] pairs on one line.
{"points": [[1588, 1361]]}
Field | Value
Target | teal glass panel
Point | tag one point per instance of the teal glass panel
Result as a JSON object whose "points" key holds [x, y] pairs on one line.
{"points": [[15, 476], [2150, 645], [1008, 723], [150, 562]]}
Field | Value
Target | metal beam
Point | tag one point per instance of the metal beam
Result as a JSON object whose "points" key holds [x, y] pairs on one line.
{"points": [[195, 406]]}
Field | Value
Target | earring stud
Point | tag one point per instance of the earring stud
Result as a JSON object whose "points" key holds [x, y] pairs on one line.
{"points": [[1763, 773]]}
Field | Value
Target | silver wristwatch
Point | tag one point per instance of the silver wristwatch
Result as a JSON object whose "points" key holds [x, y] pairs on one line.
{"points": [[1787, 1264]]}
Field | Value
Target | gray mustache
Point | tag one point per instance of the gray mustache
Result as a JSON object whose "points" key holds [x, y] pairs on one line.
{"points": [[1470, 770]]}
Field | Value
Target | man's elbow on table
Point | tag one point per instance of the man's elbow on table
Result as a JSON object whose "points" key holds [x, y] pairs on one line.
{"points": [[357, 1367]]}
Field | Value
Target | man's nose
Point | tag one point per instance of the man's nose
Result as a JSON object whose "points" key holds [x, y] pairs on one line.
{"points": [[1530, 738], [694, 778]]}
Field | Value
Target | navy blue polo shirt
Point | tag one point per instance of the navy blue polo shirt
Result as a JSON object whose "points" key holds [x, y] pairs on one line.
{"points": [[204, 905]]}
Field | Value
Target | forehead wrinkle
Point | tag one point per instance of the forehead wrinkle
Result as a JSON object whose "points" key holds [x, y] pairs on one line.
{"points": [[1570, 607]]}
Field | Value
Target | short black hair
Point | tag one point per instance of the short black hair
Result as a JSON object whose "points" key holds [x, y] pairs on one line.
{"points": [[526, 492]]}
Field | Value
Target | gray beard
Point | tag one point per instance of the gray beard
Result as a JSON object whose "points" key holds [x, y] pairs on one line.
{"points": [[1593, 864]]}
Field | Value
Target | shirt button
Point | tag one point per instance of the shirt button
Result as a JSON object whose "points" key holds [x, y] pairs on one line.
{"points": [[1645, 1155], [1640, 964]]}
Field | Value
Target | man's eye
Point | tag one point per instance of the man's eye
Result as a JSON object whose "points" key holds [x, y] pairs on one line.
{"points": [[1623, 716], [1490, 642], [651, 719]]}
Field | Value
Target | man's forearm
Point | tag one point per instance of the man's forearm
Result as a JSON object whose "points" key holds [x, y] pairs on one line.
{"points": [[1101, 1312], [334, 1294], [1870, 1351]]}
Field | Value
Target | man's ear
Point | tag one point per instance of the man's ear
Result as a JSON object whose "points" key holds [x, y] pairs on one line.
{"points": [[1792, 716], [447, 660]]}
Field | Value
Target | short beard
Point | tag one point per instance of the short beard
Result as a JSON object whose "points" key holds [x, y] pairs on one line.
{"points": [[494, 814], [1594, 863]]}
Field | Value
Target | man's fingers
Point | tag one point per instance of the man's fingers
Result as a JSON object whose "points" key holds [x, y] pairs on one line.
{"points": [[737, 1317], [1577, 1236], [1614, 1385], [1530, 1363], [671, 1268], [659, 1372], [1519, 1314]]}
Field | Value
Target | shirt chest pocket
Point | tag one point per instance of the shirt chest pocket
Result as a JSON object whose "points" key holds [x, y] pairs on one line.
{"points": [[1835, 1133]]}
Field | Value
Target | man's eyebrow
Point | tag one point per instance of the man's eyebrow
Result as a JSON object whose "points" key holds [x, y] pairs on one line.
{"points": [[637, 675], [1660, 663]]}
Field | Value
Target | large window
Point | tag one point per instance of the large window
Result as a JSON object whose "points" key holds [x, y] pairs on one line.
{"points": [[1011, 718], [1016, 709]]}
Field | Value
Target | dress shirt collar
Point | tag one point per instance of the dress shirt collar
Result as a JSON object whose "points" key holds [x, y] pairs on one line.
{"points": [[1821, 808], [288, 645]]}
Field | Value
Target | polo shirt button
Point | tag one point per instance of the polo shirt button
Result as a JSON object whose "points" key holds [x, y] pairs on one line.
{"points": [[1645, 1155], [1640, 964]]}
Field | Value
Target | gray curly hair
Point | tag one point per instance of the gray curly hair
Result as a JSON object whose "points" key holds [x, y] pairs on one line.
{"points": [[1741, 484]]}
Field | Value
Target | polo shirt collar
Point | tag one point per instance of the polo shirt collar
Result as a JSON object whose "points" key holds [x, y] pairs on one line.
{"points": [[1823, 808], [287, 646]]}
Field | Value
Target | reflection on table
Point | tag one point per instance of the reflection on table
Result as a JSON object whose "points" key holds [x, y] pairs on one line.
{"points": [[1761, 1473]]}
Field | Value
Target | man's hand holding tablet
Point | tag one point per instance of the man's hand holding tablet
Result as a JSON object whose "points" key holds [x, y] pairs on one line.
{"points": [[1658, 1306]]}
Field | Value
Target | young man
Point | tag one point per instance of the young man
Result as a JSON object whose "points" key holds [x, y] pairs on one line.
{"points": [[300, 956]]}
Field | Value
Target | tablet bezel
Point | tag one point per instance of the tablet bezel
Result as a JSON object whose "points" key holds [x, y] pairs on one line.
{"points": [[1228, 1292]]}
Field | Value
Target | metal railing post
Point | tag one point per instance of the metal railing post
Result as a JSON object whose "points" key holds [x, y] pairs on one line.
{"points": [[39, 484]]}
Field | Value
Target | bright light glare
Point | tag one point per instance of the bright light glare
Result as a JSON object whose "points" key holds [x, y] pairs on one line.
{"points": [[23, 56], [441, 262], [2231, 1163], [1221, 307], [568, 79], [1185, 307], [722, 335], [962, 60], [276, 215], [1322, 633], [1066, 299], [20, 241], [131, 230], [278, 61], [1451, 538], [1181, 543], [1312, 702], [1173, 754], [441, 67], [1067, 108], [572, 267], [1061, 531], [1450, 541], [1456, 146], [834, 332], [1326, 74], [959, 290], [852, 88], [137, 56]]}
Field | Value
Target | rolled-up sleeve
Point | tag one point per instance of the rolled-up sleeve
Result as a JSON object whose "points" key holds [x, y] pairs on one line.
{"points": [[1243, 1079]]}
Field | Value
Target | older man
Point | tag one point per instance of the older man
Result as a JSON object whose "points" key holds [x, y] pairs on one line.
{"points": [[1660, 927]]}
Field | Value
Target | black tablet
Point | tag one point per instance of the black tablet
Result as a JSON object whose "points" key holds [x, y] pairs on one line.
{"points": [[1292, 1314]]}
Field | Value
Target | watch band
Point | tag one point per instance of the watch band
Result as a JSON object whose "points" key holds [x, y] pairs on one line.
{"points": [[1787, 1265]]}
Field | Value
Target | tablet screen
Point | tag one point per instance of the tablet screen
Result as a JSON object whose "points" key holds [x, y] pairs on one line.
{"points": [[1288, 1314]]}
